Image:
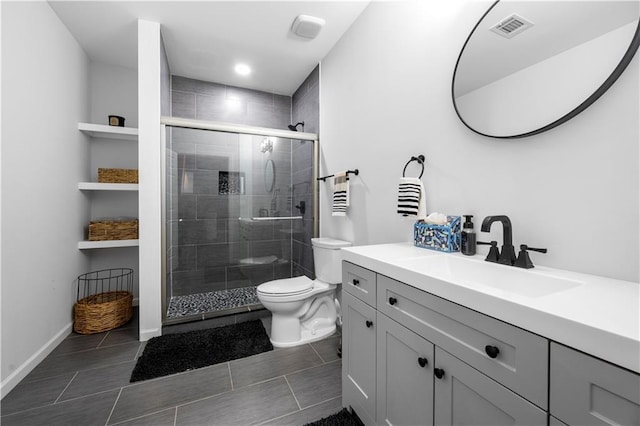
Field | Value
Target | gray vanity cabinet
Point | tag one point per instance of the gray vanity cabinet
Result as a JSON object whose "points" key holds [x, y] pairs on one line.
{"points": [[359, 357], [395, 349], [405, 376], [464, 396], [587, 391]]}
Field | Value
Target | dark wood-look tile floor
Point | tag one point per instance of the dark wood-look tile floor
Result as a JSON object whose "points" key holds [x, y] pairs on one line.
{"points": [[85, 381]]}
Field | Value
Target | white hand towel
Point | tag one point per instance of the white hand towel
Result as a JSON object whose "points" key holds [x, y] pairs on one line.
{"points": [[340, 194], [411, 199]]}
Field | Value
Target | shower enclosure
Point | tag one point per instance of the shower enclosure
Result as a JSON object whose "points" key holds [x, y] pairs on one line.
{"points": [[239, 210]]}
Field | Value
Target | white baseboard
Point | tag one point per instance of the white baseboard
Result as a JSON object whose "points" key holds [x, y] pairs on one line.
{"points": [[23, 370], [149, 333]]}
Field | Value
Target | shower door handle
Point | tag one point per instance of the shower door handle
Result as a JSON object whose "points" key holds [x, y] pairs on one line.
{"points": [[277, 218]]}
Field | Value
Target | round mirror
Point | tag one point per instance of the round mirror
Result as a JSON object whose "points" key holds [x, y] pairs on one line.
{"points": [[529, 66], [269, 175]]}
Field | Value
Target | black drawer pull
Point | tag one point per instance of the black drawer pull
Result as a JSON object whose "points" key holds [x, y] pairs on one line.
{"points": [[492, 351], [422, 361], [355, 282], [369, 323], [439, 372], [393, 301]]}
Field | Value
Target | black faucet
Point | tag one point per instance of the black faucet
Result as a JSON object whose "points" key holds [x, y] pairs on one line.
{"points": [[507, 254]]}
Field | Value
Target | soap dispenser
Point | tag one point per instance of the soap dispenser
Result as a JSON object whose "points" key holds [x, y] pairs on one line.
{"points": [[468, 237]]}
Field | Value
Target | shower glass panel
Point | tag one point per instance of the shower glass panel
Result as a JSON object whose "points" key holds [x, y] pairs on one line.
{"points": [[234, 219]]}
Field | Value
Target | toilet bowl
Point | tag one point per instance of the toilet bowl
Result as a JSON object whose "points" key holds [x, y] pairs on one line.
{"points": [[304, 310]]}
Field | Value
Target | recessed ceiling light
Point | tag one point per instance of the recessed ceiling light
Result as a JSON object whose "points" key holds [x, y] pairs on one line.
{"points": [[243, 69]]}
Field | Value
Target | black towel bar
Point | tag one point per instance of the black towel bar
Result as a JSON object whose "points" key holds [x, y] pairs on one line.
{"points": [[324, 178], [420, 159]]}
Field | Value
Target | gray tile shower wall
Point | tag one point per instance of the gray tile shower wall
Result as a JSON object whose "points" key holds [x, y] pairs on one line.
{"points": [[202, 100]]}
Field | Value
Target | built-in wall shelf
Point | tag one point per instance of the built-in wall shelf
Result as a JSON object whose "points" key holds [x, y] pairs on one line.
{"points": [[109, 132], [87, 245], [97, 186]]}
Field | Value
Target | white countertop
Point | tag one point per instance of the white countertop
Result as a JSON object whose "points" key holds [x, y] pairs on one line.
{"points": [[597, 315]]}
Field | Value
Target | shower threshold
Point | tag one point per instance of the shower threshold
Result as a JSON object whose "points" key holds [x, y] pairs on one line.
{"points": [[213, 303]]}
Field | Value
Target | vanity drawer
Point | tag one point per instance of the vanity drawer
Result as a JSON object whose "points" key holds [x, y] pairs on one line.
{"points": [[587, 391], [359, 282], [520, 363]]}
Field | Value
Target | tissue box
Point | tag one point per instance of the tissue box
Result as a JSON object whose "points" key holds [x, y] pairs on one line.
{"points": [[438, 237]]}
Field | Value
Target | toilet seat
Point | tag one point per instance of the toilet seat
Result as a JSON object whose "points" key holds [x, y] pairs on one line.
{"points": [[286, 287]]}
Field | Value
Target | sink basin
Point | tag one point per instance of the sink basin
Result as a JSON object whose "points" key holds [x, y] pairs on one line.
{"points": [[475, 272]]}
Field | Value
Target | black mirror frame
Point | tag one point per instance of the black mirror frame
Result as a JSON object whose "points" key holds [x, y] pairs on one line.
{"points": [[617, 72]]}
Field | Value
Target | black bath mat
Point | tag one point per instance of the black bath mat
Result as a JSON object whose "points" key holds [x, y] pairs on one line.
{"points": [[341, 418], [175, 353]]}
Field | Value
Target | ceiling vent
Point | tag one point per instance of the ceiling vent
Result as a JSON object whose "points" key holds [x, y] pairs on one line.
{"points": [[307, 26], [512, 26]]}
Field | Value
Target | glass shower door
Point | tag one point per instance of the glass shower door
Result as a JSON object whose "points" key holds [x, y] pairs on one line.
{"points": [[234, 219]]}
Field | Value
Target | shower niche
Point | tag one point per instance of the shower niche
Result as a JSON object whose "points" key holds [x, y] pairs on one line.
{"points": [[226, 230]]}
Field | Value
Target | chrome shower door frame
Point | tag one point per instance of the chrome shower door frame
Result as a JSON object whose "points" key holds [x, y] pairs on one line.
{"points": [[166, 122]]}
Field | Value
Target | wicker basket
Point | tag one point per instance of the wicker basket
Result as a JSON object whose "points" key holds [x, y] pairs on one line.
{"points": [[102, 312], [101, 230], [104, 302], [117, 175]]}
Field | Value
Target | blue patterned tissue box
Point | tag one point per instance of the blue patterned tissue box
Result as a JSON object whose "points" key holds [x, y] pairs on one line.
{"points": [[438, 237]]}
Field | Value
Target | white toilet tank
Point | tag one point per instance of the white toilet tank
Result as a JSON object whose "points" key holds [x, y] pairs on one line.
{"points": [[327, 259]]}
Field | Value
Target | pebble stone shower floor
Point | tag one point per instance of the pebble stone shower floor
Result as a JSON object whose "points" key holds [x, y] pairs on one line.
{"points": [[221, 300]]}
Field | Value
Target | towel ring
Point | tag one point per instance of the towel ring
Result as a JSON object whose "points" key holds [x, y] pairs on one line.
{"points": [[419, 159]]}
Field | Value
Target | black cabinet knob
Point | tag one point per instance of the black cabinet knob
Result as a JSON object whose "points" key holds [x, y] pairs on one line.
{"points": [[355, 282], [393, 300], [422, 361], [369, 323], [439, 372], [492, 351]]}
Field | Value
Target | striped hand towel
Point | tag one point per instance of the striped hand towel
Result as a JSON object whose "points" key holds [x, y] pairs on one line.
{"points": [[411, 200], [340, 194]]}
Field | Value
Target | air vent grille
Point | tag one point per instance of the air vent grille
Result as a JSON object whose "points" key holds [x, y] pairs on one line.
{"points": [[511, 26]]}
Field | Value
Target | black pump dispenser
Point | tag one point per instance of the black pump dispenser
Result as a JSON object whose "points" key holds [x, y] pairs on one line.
{"points": [[468, 237]]}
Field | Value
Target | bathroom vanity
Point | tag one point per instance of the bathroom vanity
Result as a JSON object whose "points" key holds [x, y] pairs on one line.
{"points": [[434, 338]]}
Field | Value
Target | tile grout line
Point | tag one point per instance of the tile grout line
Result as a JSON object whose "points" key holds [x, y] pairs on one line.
{"points": [[127, 420], [292, 393], [66, 387], [317, 353], [298, 411], [230, 376], [103, 339], [114, 407], [140, 351]]}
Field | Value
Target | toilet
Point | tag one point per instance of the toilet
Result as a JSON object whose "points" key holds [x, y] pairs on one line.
{"points": [[304, 310]]}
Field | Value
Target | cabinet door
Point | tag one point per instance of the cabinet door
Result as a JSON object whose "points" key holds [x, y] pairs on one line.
{"points": [[405, 376], [359, 358], [587, 391], [464, 396]]}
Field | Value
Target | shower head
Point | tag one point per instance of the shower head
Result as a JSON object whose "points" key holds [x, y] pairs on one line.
{"points": [[294, 128]]}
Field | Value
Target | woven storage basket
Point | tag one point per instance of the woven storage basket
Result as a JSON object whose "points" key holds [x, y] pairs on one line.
{"points": [[105, 300], [101, 230], [117, 175], [102, 312]]}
